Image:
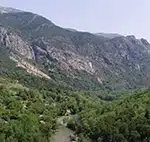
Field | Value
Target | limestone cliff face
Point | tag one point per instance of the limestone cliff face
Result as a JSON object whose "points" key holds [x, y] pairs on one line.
{"points": [[112, 61], [15, 43], [59, 50], [30, 68]]}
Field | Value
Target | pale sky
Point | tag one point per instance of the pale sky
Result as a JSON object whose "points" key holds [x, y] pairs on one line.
{"points": [[127, 17]]}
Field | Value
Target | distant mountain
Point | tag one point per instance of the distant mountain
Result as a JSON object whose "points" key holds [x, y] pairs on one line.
{"points": [[77, 59]]}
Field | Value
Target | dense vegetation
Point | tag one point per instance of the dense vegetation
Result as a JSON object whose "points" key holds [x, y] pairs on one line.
{"points": [[24, 115], [121, 120], [30, 107], [124, 119]]}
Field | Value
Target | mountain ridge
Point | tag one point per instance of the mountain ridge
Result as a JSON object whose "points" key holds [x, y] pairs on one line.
{"points": [[9, 10], [81, 57]]}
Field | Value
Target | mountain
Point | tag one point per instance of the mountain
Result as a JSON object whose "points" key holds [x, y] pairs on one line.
{"points": [[80, 60], [108, 35], [8, 10], [54, 79]]}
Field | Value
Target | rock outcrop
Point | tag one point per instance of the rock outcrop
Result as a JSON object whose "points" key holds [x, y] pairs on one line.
{"points": [[30, 68]]}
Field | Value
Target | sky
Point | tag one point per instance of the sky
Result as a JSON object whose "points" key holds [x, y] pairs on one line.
{"points": [[126, 17]]}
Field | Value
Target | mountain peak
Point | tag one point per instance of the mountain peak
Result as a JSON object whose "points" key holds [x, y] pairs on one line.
{"points": [[108, 35], [8, 10]]}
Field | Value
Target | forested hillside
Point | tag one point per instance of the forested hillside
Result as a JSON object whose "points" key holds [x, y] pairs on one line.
{"points": [[30, 107]]}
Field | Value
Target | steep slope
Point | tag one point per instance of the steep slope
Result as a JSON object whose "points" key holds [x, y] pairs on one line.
{"points": [[81, 59], [55, 52]]}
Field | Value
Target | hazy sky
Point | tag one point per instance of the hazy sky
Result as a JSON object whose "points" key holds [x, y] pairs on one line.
{"points": [[111, 16]]}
